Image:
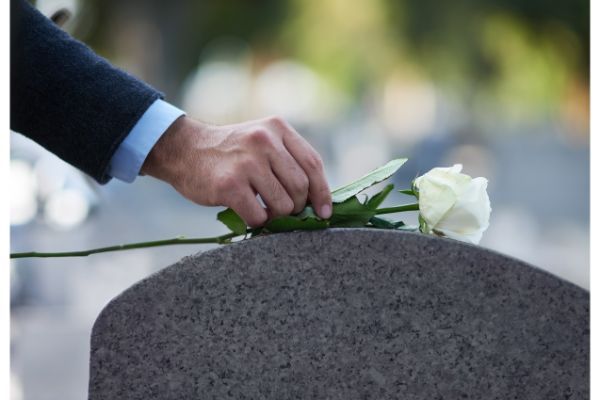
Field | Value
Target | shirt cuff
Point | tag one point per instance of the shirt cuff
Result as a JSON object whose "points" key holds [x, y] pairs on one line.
{"points": [[127, 161]]}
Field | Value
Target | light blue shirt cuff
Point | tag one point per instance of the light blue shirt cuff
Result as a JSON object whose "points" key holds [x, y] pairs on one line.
{"points": [[127, 161]]}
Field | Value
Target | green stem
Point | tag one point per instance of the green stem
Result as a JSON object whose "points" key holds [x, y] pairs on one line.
{"points": [[397, 209], [168, 242], [223, 239]]}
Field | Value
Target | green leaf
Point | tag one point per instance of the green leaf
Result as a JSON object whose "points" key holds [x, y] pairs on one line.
{"points": [[385, 224], [256, 232], [293, 223], [307, 219], [376, 200], [350, 213], [409, 192], [423, 225], [233, 221], [380, 174]]}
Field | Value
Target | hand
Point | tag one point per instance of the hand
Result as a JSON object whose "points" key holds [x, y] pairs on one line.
{"points": [[228, 165]]}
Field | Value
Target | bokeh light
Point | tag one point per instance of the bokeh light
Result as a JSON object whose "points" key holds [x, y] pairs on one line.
{"points": [[65, 209], [218, 92], [23, 193]]}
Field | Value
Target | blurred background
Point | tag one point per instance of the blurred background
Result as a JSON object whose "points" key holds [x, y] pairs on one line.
{"points": [[501, 86]]}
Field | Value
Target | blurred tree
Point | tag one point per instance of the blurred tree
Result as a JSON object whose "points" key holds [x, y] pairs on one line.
{"points": [[525, 54], [184, 27], [531, 57]]}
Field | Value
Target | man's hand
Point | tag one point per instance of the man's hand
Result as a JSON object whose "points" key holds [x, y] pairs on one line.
{"points": [[228, 165]]}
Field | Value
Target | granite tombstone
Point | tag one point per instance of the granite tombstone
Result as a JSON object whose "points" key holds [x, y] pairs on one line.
{"points": [[344, 314]]}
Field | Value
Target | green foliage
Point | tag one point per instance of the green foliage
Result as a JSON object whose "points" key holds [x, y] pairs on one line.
{"points": [[306, 220], [379, 198], [295, 223], [380, 174], [382, 223], [409, 192], [351, 214], [423, 225], [233, 221], [348, 211]]}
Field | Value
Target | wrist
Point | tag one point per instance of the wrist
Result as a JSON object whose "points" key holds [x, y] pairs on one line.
{"points": [[163, 161]]}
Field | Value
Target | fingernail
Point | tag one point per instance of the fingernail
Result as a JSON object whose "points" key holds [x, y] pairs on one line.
{"points": [[326, 211]]}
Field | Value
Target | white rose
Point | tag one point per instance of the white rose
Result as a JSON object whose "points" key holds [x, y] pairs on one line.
{"points": [[453, 204]]}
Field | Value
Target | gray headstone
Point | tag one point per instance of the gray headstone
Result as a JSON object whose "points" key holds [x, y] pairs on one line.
{"points": [[344, 314]]}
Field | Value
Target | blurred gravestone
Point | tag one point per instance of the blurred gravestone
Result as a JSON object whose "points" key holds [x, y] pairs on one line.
{"points": [[344, 314]]}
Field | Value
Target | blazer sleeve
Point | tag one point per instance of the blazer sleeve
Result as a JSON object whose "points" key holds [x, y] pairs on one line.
{"points": [[68, 99]]}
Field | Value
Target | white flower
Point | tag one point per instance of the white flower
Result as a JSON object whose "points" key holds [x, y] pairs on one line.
{"points": [[453, 204]]}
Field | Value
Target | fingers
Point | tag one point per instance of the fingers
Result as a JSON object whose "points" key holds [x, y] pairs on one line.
{"points": [[310, 161], [273, 193], [292, 177], [267, 157], [246, 205]]}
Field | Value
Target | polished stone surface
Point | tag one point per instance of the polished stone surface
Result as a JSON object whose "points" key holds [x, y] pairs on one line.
{"points": [[344, 314]]}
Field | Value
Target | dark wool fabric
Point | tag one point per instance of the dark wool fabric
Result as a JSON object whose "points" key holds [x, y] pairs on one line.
{"points": [[67, 98]]}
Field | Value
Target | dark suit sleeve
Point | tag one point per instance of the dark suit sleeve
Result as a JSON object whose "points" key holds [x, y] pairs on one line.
{"points": [[67, 98]]}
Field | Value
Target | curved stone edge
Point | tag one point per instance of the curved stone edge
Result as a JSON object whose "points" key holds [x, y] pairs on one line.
{"points": [[333, 231], [279, 236]]}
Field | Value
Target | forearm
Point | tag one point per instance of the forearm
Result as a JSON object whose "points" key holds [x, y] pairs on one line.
{"points": [[68, 99]]}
